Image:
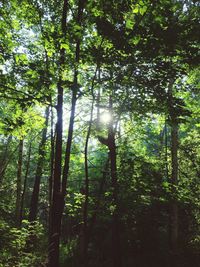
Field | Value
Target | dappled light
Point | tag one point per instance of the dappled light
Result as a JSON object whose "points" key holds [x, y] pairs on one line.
{"points": [[99, 133]]}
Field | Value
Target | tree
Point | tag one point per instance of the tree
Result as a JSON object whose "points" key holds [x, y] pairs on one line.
{"points": [[109, 173]]}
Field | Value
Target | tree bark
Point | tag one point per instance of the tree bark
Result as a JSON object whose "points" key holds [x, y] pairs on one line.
{"points": [[59, 185], [173, 235], [166, 151], [116, 246], [55, 212], [54, 228], [39, 169], [84, 252], [25, 183], [174, 181], [98, 202], [52, 160], [4, 159], [19, 182]]}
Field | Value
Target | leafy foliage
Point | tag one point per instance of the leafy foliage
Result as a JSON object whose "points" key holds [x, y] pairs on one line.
{"points": [[136, 61]]}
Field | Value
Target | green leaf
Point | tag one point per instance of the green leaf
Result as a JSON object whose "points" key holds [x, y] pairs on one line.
{"points": [[136, 10], [129, 24], [65, 46], [143, 10]]}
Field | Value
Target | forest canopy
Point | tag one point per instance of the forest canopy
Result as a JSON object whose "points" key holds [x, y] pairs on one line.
{"points": [[99, 133]]}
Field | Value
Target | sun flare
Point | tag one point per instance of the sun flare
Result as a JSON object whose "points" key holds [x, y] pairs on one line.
{"points": [[105, 117]]}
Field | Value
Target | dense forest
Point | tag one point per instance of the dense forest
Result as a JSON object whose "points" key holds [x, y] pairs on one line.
{"points": [[99, 133]]}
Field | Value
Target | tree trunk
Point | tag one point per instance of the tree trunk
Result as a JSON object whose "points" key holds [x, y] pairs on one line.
{"points": [[59, 190], [39, 169], [52, 157], [173, 235], [54, 228], [174, 181], [166, 151], [98, 102], [52, 160], [25, 183], [55, 211], [19, 182], [84, 252], [116, 246], [4, 159], [98, 202]]}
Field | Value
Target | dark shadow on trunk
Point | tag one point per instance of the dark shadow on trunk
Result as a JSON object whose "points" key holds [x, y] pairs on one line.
{"points": [[25, 183], [19, 182], [39, 170]]}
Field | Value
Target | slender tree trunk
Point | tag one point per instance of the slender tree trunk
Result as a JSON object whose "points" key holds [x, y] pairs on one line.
{"points": [[52, 157], [52, 160], [19, 182], [84, 234], [55, 212], [98, 104], [58, 191], [3, 170], [110, 142], [85, 208], [173, 235], [25, 183], [39, 169], [4, 159], [166, 151], [69, 144], [59, 186], [54, 228], [73, 106], [56, 199], [116, 246], [98, 202], [174, 181]]}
